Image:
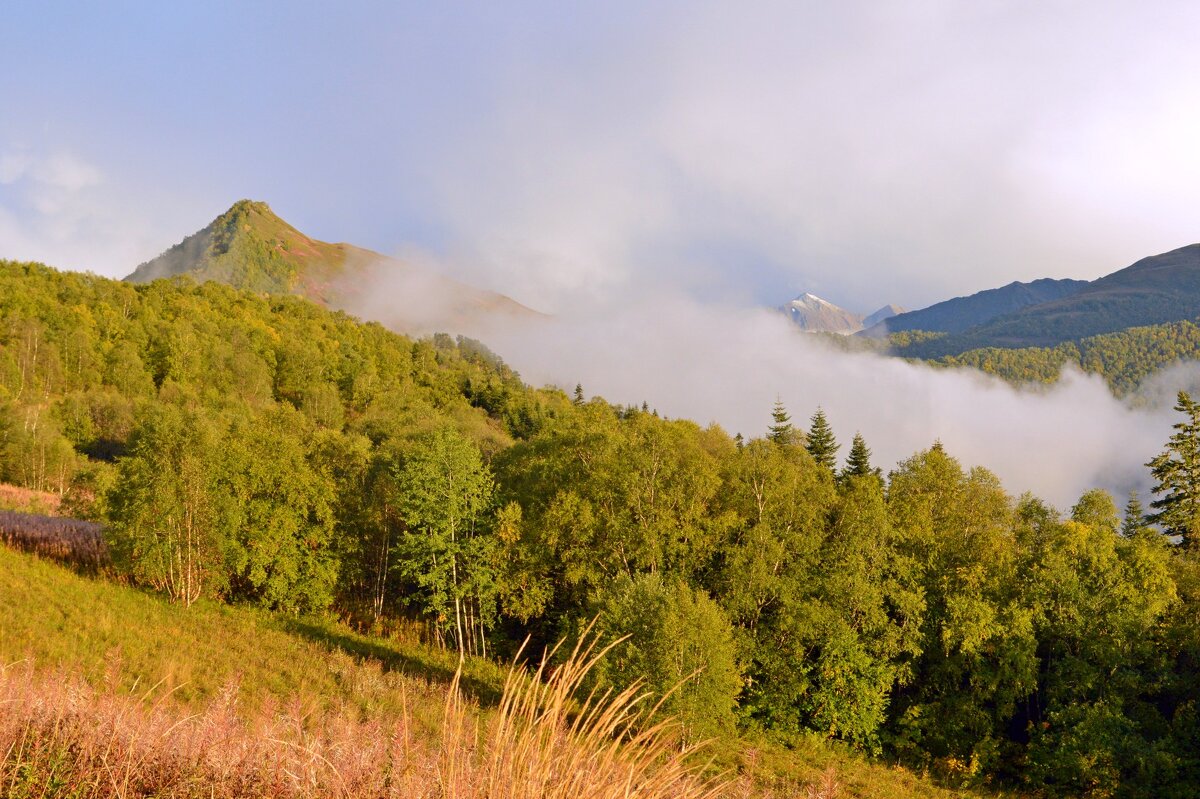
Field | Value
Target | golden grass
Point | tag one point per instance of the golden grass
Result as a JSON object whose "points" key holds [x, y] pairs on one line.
{"points": [[60, 736], [319, 687]]}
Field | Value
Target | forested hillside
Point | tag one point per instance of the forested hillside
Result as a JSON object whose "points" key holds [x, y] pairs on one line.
{"points": [[1158, 290], [1126, 360], [962, 313], [264, 451]]}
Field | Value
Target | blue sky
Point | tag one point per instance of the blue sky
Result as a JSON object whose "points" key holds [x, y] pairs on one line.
{"points": [[565, 153]]}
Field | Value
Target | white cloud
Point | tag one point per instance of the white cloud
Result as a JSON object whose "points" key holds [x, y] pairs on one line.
{"points": [[866, 154], [58, 208], [726, 365]]}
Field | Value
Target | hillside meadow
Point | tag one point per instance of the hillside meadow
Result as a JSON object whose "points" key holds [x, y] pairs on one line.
{"points": [[109, 691]]}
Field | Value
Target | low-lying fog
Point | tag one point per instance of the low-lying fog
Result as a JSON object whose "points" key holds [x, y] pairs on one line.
{"points": [[726, 365]]}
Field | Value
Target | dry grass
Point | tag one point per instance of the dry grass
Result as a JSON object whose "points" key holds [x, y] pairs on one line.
{"points": [[62, 737], [26, 500], [71, 542], [366, 705]]}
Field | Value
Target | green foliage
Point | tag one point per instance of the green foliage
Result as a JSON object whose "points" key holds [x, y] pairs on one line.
{"points": [[278, 516], [444, 493], [165, 526], [781, 431], [263, 451], [820, 442], [1176, 473], [680, 644], [858, 462], [1125, 359], [1134, 522]]}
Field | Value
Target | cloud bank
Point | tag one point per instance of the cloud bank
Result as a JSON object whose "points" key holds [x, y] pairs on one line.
{"points": [[727, 365], [865, 153]]}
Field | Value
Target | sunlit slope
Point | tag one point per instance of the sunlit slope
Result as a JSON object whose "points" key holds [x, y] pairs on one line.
{"points": [[250, 247], [57, 618], [1157, 290]]}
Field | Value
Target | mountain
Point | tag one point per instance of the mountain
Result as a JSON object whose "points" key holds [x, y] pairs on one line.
{"points": [[250, 247], [886, 312], [1156, 290], [815, 315], [963, 313]]}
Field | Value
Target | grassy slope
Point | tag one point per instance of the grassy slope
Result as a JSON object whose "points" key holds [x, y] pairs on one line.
{"points": [[59, 619], [250, 247]]}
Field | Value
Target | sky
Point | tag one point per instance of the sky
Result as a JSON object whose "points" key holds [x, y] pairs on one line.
{"points": [[653, 175], [568, 153]]}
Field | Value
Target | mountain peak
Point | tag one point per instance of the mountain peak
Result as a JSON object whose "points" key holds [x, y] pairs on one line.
{"points": [[815, 315], [886, 312], [247, 246], [250, 247]]}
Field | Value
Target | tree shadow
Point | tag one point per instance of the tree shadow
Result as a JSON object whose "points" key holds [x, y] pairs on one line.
{"points": [[481, 690]]}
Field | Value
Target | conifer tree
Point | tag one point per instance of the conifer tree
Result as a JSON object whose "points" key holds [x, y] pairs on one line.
{"points": [[1135, 516], [781, 431], [1176, 473], [821, 443], [858, 462], [578, 394]]}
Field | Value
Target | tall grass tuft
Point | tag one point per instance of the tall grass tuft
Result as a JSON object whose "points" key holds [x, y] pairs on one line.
{"points": [[60, 736], [607, 745]]}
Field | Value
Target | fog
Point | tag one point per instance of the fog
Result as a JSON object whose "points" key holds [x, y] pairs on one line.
{"points": [[725, 365]]}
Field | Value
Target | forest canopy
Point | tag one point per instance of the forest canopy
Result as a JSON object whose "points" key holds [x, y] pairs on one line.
{"points": [[261, 450]]}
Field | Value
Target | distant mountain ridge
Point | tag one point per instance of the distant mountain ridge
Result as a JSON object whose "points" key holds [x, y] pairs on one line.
{"points": [[1155, 290], [250, 247], [886, 312], [963, 313], [1159, 289], [815, 315]]}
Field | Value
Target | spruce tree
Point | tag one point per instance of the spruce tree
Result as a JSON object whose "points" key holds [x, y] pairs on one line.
{"points": [[578, 394], [821, 444], [1176, 473], [858, 462], [781, 432], [1135, 516]]}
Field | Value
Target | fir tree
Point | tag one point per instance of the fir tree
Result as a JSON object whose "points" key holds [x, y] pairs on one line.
{"points": [[1176, 473], [578, 394], [781, 431], [1135, 516], [821, 444], [858, 462]]}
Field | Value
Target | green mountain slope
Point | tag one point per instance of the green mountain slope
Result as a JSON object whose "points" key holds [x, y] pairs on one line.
{"points": [[60, 619], [1157, 290], [301, 459], [1125, 359], [962, 313], [250, 247]]}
